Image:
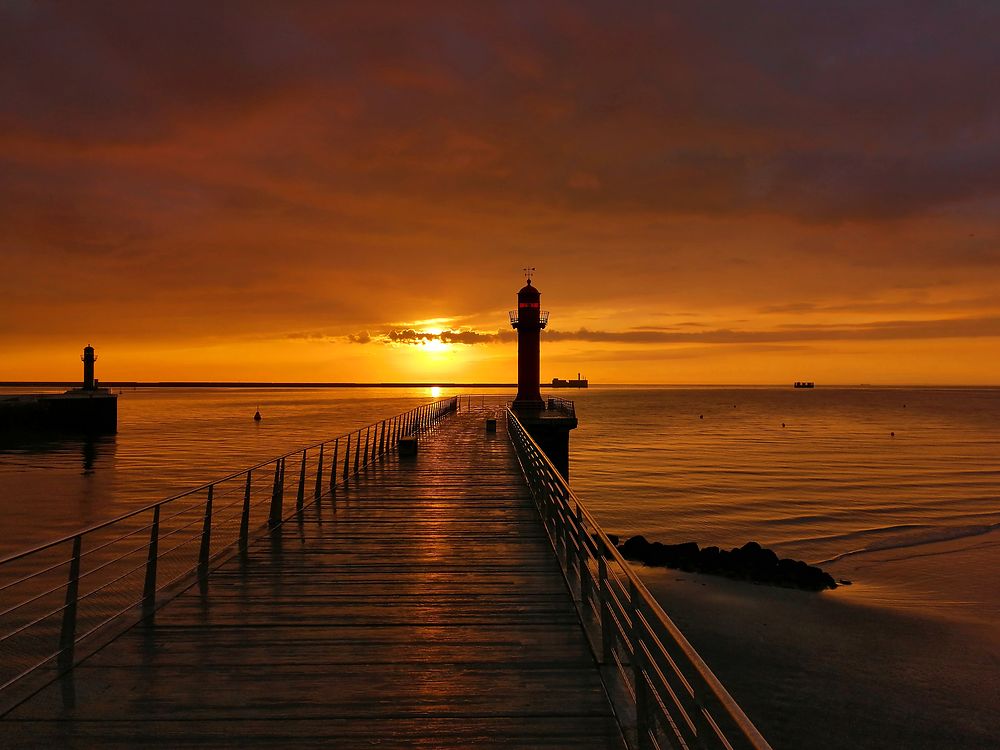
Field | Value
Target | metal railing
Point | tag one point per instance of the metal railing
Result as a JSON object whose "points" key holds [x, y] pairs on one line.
{"points": [[561, 405], [62, 600], [663, 692]]}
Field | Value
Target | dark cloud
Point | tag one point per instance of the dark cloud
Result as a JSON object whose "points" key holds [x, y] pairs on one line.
{"points": [[975, 327]]}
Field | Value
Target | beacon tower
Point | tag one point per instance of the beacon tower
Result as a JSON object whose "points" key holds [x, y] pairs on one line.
{"points": [[528, 320], [88, 359], [548, 422]]}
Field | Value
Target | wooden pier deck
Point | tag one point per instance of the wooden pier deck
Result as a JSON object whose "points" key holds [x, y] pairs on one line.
{"points": [[422, 606]]}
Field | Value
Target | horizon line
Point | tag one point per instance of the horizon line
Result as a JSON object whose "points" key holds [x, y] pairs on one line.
{"points": [[433, 384]]}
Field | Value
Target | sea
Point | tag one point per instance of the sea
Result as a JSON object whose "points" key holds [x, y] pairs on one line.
{"points": [[895, 489]]}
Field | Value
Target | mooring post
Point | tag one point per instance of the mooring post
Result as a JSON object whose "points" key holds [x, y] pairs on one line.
{"points": [[67, 635], [300, 496], [206, 536], [274, 516], [149, 586], [319, 474], [245, 515]]}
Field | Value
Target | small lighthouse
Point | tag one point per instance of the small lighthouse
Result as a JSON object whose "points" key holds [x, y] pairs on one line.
{"points": [[528, 320], [88, 359]]}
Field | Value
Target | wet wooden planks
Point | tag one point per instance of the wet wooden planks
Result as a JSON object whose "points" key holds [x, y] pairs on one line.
{"points": [[421, 606]]}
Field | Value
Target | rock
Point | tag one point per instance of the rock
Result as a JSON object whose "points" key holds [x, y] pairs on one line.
{"points": [[751, 562]]}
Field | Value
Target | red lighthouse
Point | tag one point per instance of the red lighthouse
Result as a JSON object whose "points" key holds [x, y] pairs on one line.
{"points": [[528, 320]]}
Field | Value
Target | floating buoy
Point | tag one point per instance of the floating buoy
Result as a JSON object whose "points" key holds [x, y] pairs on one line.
{"points": [[701, 416], [782, 424], [892, 434], [256, 416]]}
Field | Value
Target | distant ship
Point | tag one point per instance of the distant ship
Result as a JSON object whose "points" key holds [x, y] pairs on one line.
{"points": [[580, 382], [804, 384]]}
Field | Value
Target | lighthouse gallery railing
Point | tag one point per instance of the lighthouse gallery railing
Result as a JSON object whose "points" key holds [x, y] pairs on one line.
{"points": [[62, 600], [655, 678]]}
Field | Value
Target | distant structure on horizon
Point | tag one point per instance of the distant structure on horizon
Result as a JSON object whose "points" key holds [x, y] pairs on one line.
{"points": [[580, 382], [87, 409], [804, 384]]}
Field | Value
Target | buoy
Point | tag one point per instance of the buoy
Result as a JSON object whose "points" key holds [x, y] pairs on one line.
{"points": [[256, 416], [892, 434], [701, 416], [782, 424]]}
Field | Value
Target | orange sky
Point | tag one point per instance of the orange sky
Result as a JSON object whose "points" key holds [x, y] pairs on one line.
{"points": [[712, 192]]}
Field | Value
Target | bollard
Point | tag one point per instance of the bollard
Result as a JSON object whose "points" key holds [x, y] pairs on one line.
{"points": [[408, 446]]}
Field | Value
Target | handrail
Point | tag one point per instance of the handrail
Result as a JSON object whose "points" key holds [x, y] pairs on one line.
{"points": [[58, 599], [670, 692]]}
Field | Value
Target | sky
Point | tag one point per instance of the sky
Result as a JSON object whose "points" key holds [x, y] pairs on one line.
{"points": [[710, 192]]}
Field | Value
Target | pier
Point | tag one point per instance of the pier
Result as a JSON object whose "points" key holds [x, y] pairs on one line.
{"points": [[344, 594]]}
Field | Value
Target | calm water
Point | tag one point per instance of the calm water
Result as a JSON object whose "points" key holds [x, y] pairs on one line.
{"points": [[905, 657], [711, 465]]}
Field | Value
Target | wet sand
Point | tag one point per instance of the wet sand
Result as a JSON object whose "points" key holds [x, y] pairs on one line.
{"points": [[908, 656]]}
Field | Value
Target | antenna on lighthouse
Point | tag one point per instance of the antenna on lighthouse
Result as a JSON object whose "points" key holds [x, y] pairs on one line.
{"points": [[528, 273]]}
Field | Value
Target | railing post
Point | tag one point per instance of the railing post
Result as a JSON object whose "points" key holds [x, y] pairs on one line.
{"points": [[368, 431], [374, 443], [281, 480], [206, 536], [149, 586], [347, 456], [274, 517], [357, 452], [607, 642], [381, 439], [318, 490], [67, 635], [300, 496], [245, 515], [584, 554], [639, 669], [333, 465]]}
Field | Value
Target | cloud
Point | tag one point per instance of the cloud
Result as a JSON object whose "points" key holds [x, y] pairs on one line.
{"points": [[972, 327], [413, 336]]}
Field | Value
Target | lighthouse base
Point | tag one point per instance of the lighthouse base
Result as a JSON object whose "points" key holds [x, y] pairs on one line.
{"points": [[549, 427]]}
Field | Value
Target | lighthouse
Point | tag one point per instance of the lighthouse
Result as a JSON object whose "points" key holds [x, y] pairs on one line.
{"points": [[88, 358], [549, 423], [528, 320]]}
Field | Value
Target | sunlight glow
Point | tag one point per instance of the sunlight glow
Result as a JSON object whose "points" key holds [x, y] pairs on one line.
{"points": [[435, 391]]}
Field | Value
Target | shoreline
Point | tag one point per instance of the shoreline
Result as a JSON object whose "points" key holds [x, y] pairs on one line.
{"points": [[904, 657]]}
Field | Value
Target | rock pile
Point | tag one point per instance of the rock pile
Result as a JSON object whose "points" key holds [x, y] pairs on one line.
{"points": [[750, 562]]}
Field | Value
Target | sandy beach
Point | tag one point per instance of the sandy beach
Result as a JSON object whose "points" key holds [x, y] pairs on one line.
{"points": [[908, 656]]}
